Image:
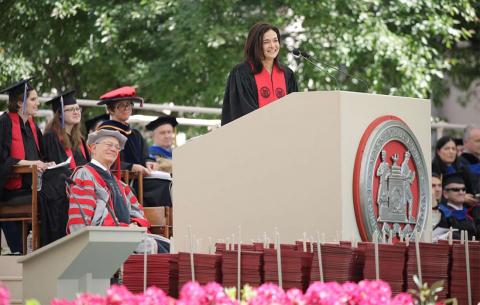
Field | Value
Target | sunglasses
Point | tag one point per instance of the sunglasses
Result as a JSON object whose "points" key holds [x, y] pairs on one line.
{"points": [[456, 189]]}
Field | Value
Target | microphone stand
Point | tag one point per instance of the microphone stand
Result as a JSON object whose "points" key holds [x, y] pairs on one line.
{"points": [[320, 67], [364, 82]]}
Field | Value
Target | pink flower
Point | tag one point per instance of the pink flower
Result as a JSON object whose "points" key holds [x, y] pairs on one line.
{"points": [[192, 294], [403, 299], [269, 294], [325, 294], [215, 294], [155, 296], [374, 293], [119, 295], [4, 295], [295, 296]]}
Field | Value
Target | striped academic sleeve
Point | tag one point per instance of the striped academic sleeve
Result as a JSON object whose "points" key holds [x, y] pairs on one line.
{"points": [[83, 195], [136, 209]]}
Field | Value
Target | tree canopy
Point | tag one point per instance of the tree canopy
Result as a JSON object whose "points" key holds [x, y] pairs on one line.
{"points": [[182, 51]]}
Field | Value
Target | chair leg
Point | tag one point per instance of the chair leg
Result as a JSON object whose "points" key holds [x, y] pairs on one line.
{"points": [[24, 236]]}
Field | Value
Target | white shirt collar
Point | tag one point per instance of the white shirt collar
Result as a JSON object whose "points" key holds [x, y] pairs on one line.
{"points": [[454, 206], [99, 164]]}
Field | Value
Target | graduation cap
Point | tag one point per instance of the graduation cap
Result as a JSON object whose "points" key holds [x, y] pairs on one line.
{"points": [[62, 100], [21, 87], [457, 177], [90, 124], [126, 93], [161, 120]]}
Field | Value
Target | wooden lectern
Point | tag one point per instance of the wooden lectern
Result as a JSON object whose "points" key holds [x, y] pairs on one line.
{"points": [[81, 262], [288, 165]]}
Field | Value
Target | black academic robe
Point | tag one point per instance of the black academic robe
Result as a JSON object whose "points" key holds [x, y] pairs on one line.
{"points": [[135, 151], [53, 201], [450, 219], [241, 94], [6, 162]]}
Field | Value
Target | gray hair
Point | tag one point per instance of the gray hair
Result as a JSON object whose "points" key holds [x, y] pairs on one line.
{"points": [[468, 131]]}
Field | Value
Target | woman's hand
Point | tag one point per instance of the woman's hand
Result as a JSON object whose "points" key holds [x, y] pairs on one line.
{"points": [[152, 165], [41, 166], [137, 168]]}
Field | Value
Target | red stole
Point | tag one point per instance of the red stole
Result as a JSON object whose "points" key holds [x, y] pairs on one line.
{"points": [[17, 149], [270, 87], [69, 153]]}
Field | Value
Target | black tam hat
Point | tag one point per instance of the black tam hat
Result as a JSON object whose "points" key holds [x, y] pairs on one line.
{"points": [[20, 87], [91, 124], [162, 120], [457, 177]]}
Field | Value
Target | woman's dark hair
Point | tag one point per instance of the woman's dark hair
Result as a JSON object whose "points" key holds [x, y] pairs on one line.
{"points": [[254, 45], [438, 165], [13, 101], [55, 126]]}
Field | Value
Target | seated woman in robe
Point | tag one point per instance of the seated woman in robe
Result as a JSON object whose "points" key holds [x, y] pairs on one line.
{"points": [[63, 140]]}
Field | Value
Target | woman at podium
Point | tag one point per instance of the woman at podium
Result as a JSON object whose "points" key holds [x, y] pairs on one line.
{"points": [[260, 79]]}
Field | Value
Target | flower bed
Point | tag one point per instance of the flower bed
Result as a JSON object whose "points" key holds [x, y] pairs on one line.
{"points": [[363, 293]]}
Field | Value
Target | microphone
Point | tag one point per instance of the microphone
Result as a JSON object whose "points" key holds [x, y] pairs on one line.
{"points": [[68, 182], [297, 52]]}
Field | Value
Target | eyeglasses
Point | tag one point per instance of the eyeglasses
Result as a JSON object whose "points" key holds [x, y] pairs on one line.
{"points": [[456, 189], [73, 109], [110, 145], [124, 106]]}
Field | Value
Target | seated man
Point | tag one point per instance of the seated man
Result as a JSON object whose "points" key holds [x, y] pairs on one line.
{"points": [[98, 198], [453, 211], [163, 134]]}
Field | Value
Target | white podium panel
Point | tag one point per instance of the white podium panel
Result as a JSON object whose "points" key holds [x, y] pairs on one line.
{"points": [[288, 165]]}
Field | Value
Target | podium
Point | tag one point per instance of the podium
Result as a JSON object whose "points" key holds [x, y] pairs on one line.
{"points": [[288, 165], [81, 262]]}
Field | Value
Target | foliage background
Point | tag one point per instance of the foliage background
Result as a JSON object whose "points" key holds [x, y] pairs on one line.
{"points": [[182, 51]]}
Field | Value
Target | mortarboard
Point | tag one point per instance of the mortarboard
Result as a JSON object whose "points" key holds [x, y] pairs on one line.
{"points": [[20, 87], [457, 177], [90, 124], [161, 120], [126, 93], [64, 99]]}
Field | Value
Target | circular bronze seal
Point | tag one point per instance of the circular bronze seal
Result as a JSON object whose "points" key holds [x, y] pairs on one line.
{"points": [[390, 181]]}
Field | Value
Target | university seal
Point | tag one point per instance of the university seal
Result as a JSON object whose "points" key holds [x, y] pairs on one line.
{"points": [[390, 181]]}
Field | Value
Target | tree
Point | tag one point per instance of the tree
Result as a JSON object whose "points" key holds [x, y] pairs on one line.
{"points": [[181, 51]]}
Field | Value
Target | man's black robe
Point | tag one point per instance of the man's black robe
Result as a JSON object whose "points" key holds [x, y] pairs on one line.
{"points": [[241, 94], [53, 201]]}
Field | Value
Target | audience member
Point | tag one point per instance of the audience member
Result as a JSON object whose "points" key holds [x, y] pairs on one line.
{"points": [[63, 140], [21, 143], [99, 198], [120, 103], [163, 135], [454, 213], [446, 162]]}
